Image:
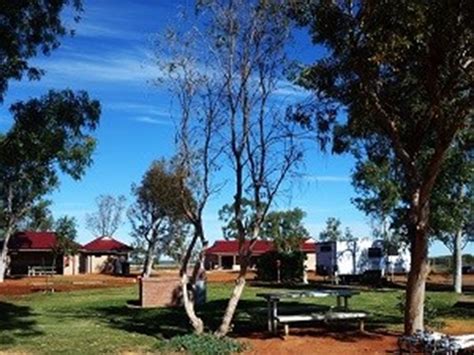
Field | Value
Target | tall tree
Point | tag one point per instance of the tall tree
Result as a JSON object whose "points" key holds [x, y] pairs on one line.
{"points": [[402, 72], [191, 82], [227, 216], [285, 229], [66, 233], [39, 218], [453, 204], [381, 196], [247, 41], [50, 134], [108, 217], [156, 211], [28, 27], [239, 76], [333, 231], [179, 235]]}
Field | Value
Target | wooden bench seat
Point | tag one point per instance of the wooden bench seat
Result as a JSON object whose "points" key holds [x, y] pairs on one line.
{"points": [[285, 320]]}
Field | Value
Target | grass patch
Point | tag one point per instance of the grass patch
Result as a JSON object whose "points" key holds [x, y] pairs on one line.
{"points": [[206, 344], [98, 321]]}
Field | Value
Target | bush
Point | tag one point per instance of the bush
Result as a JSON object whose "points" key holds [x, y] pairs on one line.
{"points": [[291, 266], [205, 344]]}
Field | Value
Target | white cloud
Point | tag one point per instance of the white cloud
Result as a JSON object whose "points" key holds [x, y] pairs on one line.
{"points": [[287, 89], [135, 107], [113, 68], [327, 178], [151, 120], [92, 30]]}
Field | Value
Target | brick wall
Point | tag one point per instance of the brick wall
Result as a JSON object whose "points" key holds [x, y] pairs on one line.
{"points": [[160, 291]]}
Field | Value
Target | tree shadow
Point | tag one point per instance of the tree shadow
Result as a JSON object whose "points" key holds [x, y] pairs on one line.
{"points": [[463, 309], [160, 323], [249, 321], [16, 322]]}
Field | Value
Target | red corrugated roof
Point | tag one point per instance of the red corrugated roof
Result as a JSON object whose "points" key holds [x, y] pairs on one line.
{"points": [[260, 247], [33, 240], [106, 244]]}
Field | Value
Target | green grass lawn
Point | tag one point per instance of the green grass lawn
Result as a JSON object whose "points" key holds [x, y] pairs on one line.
{"points": [[98, 321]]}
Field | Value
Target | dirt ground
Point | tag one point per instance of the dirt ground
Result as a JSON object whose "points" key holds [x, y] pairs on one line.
{"points": [[78, 282], [435, 281], [320, 341], [28, 285]]}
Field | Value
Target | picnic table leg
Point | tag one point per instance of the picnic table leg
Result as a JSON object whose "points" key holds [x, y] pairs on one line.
{"points": [[346, 302], [270, 315], [274, 316], [338, 301]]}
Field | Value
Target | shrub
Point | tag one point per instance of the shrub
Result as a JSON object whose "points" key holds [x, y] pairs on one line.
{"points": [[291, 266], [205, 344]]}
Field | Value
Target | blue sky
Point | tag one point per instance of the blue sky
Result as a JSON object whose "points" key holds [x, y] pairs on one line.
{"points": [[110, 58]]}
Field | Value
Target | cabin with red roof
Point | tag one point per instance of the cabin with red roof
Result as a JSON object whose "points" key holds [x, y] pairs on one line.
{"points": [[105, 255], [35, 253], [224, 254], [29, 251]]}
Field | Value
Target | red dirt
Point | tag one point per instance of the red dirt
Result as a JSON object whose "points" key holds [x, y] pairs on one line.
{"points": [[434, 280], [62, 283], [320, 341]]}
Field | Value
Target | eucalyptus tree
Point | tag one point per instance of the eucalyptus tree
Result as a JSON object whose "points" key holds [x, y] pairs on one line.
{"points": [[27, 28], [381, 196], [51, 134], [397, 76], [157, 211], [39, 218], [246, 41], [226, 82], [108, 217], [285, 228], [453, 204], [65, 228], [332, 231], [190, 81]]}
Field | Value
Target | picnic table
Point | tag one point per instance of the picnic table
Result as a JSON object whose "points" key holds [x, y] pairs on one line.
{"points": [[342, 302], [41, 270]]}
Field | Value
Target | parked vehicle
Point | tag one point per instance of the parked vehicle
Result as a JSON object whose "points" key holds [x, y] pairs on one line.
{"points": [[358, 257]]}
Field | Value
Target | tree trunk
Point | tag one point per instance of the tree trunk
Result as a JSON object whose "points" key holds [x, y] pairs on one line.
{"points": [[415, 292], [457, 263], [234, 300], [4, 253], [148, 264], [196, 322]]}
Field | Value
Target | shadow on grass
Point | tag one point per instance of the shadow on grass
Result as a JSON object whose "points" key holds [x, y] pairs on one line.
{"points": [[16, 322], [461, 309], [158, 323], [250, 320]]}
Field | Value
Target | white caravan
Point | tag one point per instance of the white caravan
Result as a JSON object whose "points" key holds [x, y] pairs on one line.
{"points": [[358, 256]]}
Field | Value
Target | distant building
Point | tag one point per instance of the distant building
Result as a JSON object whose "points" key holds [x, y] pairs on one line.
{"points": [[224, 254], [105, 255], [29, 250], [35, 253]]}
